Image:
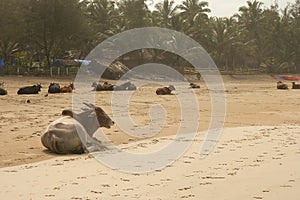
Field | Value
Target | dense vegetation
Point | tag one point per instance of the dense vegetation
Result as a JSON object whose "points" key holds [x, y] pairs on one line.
{"points": [[267, 39]]}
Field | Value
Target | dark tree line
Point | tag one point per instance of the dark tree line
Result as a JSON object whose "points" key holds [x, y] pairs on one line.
{"points": [[42, 30]]}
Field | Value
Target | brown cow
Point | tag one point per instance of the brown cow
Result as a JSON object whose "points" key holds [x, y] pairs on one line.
{"points": [[193, 85], [282, 86], [67, 88], [295, 86], [165, 90], [102, 87], [71, 131]]}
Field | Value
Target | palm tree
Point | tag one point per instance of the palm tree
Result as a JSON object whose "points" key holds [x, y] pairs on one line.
{"points": [[226, 44], [193, 10], [195, 20], [166, 11], [134, 12], [220, 39], [251, 18], [104, 19]]}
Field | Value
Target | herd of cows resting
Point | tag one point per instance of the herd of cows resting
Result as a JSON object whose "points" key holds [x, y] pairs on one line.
{"points": [[284, 86], [56, 88], [35, 89], [73, 132]]}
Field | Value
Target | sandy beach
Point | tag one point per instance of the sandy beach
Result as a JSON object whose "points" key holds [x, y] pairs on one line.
{"points": [[256, 157]]}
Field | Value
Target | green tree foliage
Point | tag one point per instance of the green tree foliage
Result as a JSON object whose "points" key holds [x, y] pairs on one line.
{"points": [[134, 12], [52, 26], [166, 11], [195, 20], [11, 26], [103, 18], [256, 36]]}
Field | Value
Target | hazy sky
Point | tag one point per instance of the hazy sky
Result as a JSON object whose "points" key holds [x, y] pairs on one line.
{"points": [[226, 8]]}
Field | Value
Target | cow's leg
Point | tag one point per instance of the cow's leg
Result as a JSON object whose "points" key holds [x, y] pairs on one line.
{"points": [[91, 144]]}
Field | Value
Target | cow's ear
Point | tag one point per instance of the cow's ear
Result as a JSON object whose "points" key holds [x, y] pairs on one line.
{"points": [[67, 113]]}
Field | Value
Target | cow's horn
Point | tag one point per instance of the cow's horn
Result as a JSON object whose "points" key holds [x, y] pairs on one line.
{"points": [[90, 105]]}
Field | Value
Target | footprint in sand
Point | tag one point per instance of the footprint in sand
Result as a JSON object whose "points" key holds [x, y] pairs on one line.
{"points": [[276, 158], [205, 183], [36, 134], [96, 192], [81, 177], [222, 164], [49, 195], [56, 188], [185, 188], [125, 180], [153, 185], [57, 164], [258, 160], [187, 196], [166, 180], [232, 174], [213, 177], [286, 186], [105, 185], [103, 173], [128, 189], [239, 161]]}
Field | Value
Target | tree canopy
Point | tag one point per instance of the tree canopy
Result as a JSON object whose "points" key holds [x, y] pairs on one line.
{"points": [[264, 38]]}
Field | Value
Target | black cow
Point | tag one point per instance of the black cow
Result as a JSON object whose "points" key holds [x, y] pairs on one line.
{"points": [[3, 92], [35, 89], [54, 88], [295, 86]]}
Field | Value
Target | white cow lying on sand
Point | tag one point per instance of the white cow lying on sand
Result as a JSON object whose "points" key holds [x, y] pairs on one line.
{"points": [[68, 133]]}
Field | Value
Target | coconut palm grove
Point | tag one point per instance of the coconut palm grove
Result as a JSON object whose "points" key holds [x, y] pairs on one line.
{"points": [[256, 37]]}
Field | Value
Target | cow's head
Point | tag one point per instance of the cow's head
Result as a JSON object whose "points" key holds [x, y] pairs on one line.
{"points": [[171, 87], [72, 86], [103, 119], [91, 118], [39, 86], [94, 85]]}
